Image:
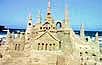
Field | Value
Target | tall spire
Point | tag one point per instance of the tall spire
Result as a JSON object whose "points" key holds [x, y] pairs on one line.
{"points": [[82, 34], [49, 7], [66, 21], [39, 17], [49, 18], [30, 24], [30, 15]]}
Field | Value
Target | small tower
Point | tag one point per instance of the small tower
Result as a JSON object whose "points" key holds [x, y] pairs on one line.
{"points": [[82, 34], [66, 19], [30, 24], [97, 42], [96, 38], [9, 40], [29, 27]]}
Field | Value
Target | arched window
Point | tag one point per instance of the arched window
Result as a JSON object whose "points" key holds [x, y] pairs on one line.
{"points": [[50, 47], [58, 25], [40, 27], [1, 55], [42, 46], [50, 44], [46, 46], [59, 44], [86, 52], [93, 54], [16, 47], [53, 46], [38, 46], [80, 53], [101, 59]]}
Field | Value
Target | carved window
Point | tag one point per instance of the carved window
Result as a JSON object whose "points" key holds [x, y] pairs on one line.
{"points": [[53, 27], [50, 48], [16, 47], [40, 27], [60, 44], [49, 27], [50, 44], [93, 54], [46, 46], [29, 24], [42, 46], [86, 52], [1, 55], [80, 53], [53, 46], [100, 59], [38, 46]]}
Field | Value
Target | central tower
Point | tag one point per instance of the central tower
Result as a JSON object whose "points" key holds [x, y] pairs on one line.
{"points": [[49, 18]]}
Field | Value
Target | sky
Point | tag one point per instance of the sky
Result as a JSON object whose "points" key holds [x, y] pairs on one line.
{"points": [[14, 13]]}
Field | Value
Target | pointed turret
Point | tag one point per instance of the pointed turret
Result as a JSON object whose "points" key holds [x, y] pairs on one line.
{"points": [[97, 42], [39, 17], [8, 34], [66, 19], [49, 18], [30, 20], [96, 38], [82, 34], [29, 27], [29, 24], [49, 7]]}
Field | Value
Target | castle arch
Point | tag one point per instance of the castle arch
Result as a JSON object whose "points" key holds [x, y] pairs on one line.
{"points": [[58, 25]]}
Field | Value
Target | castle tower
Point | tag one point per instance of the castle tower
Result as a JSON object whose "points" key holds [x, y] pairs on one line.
{"points": [[97, 42], [82, 34], [9, 40], [49, 18], [96, 39], [29, 27], [66, 19], [30, 24]]}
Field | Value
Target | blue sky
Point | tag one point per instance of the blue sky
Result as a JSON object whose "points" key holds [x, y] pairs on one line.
{"points": [[14, 13]]}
